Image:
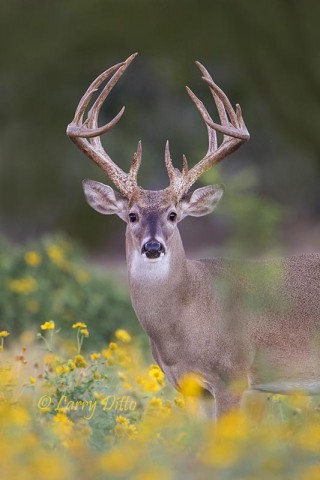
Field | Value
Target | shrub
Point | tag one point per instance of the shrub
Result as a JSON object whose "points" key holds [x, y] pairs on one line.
{"points": [[48, 279]]}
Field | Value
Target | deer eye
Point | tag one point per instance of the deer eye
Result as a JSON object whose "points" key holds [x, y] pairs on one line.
{"points": [[133, 217], [172, 216]]}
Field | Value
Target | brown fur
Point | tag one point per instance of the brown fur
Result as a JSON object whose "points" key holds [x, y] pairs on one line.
{"points": [[228, 320]]}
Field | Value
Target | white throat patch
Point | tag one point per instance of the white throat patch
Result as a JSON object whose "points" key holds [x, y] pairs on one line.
{"points": [[153, 269]]}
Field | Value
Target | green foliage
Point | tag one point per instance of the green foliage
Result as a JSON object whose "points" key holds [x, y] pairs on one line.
{"points": [[49, 280], [255, 219]]}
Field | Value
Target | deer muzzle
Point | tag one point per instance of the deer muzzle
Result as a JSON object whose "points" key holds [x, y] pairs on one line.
{"points": [[152, 249]]}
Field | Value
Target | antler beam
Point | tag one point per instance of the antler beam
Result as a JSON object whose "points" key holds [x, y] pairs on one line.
{"points": [[234, 134], [86, 134]]}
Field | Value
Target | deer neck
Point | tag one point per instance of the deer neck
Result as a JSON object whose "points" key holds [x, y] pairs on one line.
{"points": [[158, 288]]}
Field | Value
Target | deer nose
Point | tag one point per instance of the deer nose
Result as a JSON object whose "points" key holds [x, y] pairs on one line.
{"points": [[152, 249]]}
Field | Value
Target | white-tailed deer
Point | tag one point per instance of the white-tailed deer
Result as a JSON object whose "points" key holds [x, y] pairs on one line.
{"points": [[221, 319]]}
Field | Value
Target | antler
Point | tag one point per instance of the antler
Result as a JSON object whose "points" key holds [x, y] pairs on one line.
{"points": [[85, 134], [234, 134]]}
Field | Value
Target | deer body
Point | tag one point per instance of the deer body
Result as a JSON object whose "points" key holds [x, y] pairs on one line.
{"points": [[191, 328], [224, 320]]}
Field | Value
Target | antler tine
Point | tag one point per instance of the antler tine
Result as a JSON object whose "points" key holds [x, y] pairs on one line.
{"points": [[234, 131], [86, 135], [94, 111], [84, 102], [225, 129], [135, 165], [223, 105], [176, 177], [222, 101], [89, 128], [185, 167], [168, 162], [239, 131]]}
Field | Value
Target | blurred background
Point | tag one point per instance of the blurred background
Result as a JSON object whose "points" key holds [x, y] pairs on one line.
{"points": [[60, 260], [265, 56]]}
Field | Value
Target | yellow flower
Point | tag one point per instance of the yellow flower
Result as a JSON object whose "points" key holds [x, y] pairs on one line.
{"points": [[95, 356], [222, 455], [20, 416], [85, 332], [4, 333], [61, 369], [24, 286], [223, 446], [156, 373], [106, 353], [156, 402], [114, 462], [123, 359], [46, 465], [48, 325], [32, 380], [132, 432], [33, 258], [148, 385], [298, 400], [308, 438], [80, 361], [191, 385], [123, 336], [113, 346], [79, 325], [55, 253], [99, 396], [278, 398], [232, 426], [50, 359], [122, 420], [71, 364], [63, 424], [179, 402], [125, 429]]}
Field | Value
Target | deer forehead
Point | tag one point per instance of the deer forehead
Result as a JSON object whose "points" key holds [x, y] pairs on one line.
{"points": [[151, 201]]}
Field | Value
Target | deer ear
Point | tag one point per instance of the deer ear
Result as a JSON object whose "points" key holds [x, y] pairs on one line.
{"points": [[104, 199], [202, 201]]}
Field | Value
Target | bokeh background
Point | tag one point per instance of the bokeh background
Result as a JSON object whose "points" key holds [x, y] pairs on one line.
{"points": [[265, 55]]}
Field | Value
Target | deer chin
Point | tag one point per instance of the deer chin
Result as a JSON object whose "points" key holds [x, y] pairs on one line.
{"points": [[152, 270], [154, 259]]}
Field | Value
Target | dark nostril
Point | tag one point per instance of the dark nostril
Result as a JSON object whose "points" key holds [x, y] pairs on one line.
{"points": [[152, 249]]}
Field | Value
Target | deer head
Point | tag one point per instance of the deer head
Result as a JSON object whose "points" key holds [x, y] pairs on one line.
{"points": [[152, 216]]}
